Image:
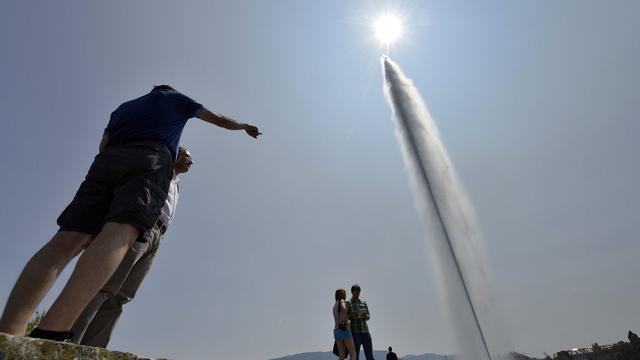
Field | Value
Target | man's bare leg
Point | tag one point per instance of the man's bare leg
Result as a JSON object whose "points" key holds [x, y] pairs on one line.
{"points": [[94, 268], [37, 278]]}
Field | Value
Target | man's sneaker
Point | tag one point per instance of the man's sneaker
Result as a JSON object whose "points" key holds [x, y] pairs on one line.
{"points": [[38, 333]]}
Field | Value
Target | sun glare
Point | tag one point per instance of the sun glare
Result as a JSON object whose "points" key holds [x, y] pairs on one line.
{"points": [[388, 28]]}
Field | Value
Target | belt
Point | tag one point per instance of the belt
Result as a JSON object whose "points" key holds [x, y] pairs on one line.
{"points": [[162, 226], [138, 141], [162, 143]]}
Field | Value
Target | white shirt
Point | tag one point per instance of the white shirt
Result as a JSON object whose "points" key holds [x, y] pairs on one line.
{"points": [[169, 209]]}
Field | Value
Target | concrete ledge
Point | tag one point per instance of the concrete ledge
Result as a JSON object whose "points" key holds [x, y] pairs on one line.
{"points": [[19, 348]]}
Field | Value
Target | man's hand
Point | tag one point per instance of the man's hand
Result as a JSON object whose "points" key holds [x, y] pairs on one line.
{"points": [[227, 123], [252, 131]]}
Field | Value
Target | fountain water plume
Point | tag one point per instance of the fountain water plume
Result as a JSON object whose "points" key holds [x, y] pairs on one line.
{"points": [[449, 216]]}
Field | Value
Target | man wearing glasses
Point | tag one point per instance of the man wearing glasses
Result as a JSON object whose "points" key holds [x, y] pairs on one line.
{"points": [[96, 323]]}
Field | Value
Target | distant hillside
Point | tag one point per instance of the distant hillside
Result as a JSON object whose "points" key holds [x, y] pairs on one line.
{"points": [[379, 355]]}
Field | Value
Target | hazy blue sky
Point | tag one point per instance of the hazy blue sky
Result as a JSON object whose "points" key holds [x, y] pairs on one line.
{"points": [[537, 103]]}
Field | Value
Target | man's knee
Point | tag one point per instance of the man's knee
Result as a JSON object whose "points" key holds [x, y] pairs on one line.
{"points": [[121, 299], [126, 232], [69, 243], [114, 297], [113, 306], [128, 229], [107, 293]]}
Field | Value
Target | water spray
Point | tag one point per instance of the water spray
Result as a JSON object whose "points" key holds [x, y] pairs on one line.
{"points": [[407, 107]]}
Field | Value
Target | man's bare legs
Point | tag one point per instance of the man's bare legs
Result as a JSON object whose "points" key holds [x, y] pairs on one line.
{"points": [[96, 265], [37, 278]]}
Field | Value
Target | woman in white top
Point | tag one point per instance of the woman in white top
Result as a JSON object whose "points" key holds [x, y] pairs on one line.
{"points": [[341, 331]]}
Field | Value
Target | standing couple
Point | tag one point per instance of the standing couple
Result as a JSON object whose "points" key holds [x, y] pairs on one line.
{"points": [[351, 330]]}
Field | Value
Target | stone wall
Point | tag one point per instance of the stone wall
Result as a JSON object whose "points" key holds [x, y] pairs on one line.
{"points": [[19, 348]]}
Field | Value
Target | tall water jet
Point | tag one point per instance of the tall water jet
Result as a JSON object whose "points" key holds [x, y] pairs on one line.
{"points": [[449, 216]]}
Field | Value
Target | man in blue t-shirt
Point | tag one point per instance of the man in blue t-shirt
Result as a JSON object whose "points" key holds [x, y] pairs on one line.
{"points": [[120, 198]]}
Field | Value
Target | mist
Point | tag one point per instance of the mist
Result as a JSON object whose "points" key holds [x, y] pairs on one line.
{"points": [[449, 219]]}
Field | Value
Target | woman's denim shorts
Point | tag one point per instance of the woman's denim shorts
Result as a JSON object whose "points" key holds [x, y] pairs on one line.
{"points": [[341, 334]]}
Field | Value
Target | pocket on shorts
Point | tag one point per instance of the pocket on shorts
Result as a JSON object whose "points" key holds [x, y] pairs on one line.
{"points": [[142, 238], [139, 247]]}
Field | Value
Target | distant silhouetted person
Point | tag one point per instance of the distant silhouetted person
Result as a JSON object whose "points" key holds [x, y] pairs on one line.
{"points": [[359, 315], [120, 198], [391, 355], [341, 331]]}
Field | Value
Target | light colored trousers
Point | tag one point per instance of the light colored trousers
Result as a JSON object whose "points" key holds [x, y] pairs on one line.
{"points": [[97, 321]]}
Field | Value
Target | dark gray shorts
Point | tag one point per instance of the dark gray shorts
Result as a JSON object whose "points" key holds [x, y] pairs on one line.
{"points": [[126, 184]]}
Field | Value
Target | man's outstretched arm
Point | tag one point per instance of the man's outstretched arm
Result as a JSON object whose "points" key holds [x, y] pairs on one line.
{"points": [[227, 123]]}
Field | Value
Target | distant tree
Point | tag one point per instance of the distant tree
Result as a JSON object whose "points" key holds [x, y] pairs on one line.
{"points": [[621, 350], [596, 352], [518, 356]]}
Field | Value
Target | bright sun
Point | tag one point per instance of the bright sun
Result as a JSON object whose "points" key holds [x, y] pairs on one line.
{"points": [[388, 28]]}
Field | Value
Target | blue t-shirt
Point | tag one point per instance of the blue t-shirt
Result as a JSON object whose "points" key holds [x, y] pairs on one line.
{"points": [[159, 115]]}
